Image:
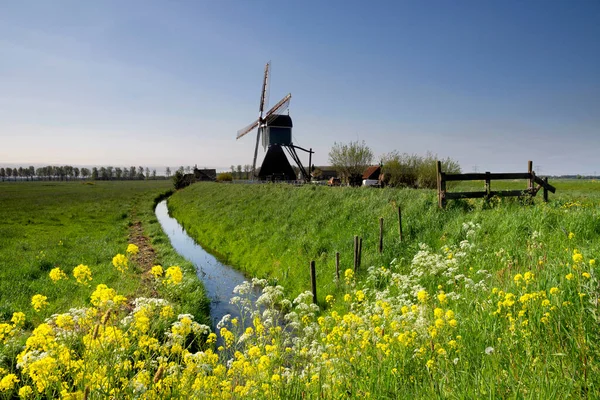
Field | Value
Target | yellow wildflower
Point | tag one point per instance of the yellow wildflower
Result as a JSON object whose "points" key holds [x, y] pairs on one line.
{"points": [[38, 302], [592, 262], [586, 275], [422, 296], [569, 276], [25, 391], [571, 235], [157, 271], [120, 262], [17, 318], [8, 382], [56, 274], [442, 297], [577, 256], [360, 295], [173, 276], [554, 290], [82, 274], [329, 299], [132, 249]]}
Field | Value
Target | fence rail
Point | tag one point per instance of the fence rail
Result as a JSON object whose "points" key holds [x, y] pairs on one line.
{"points": [[488, 177]]}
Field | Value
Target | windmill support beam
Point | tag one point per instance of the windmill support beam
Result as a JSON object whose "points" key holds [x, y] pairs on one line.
{"points": [[292, 152]]}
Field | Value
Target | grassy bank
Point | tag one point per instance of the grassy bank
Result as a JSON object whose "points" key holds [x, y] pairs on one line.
{"points": [[46, 225], [273, 232]]}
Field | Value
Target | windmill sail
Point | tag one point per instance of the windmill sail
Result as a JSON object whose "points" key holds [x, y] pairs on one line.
{"points": [[281, 106], [247, 129]]}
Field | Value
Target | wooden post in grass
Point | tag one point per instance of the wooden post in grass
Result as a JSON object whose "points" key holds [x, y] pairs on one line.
{"points": [[337, 265], [313, 281], [355, 253], [359, 252], [400, 222], [487, 185], [441, 185], [529, 171], [545, 191], [380, 235]]}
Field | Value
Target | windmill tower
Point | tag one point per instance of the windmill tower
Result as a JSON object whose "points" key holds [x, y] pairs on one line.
{"points": [[276, 131]]}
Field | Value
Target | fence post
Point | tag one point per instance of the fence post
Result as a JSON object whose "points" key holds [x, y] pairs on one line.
{"points": [[438, 167], [380, 235], [487, 185], [313, 281], [355, 252], [400, 222], [545, 190], [529, 171], [337, 265]]}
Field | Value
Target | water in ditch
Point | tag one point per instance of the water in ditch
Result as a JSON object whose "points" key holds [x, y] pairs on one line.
{"points": [[219, 279]]}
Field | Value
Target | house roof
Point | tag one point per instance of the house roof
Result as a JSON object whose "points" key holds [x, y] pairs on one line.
{"points": [[372, 172]]}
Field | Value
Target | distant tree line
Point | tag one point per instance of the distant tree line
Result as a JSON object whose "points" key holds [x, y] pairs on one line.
{"points": [[67, 172], [241, 172]]}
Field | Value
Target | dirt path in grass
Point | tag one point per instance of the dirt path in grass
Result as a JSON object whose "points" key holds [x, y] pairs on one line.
{"points": [[145, 259]]}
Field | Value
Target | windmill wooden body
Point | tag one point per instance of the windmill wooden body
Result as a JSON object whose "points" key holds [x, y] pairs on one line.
{"points": [[276, 131]]}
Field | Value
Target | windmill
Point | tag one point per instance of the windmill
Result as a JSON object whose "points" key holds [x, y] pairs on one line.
{"points": [[276, 131]]}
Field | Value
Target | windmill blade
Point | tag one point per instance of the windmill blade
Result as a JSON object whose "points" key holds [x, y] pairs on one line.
{"points": [[264, 94], [279, 107], [247, 129]]}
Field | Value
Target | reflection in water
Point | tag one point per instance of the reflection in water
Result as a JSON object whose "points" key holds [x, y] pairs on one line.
{"points": [[219, 279]]}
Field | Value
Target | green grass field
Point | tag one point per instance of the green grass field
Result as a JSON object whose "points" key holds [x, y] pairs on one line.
{"points": [[64, 224], [495, 299]]}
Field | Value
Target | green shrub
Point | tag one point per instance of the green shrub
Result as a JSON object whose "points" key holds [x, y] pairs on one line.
{"points": [[414, 171], [225, 177]]}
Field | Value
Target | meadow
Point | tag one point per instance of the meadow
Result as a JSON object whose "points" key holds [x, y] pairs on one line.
{"points": [[493, 299], [47, 225]]}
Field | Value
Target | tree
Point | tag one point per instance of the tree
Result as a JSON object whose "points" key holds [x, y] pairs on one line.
{"points": [[2, 173], [168, 172], [118, 173], [350, 160], [411, 170], [147, 173], [132, 172], [180, 170], [85, 172], [188, 169], [95, 173], [153, 174]]}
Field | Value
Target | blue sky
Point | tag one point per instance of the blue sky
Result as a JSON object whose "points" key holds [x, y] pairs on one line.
{"points": [[491, 84]]}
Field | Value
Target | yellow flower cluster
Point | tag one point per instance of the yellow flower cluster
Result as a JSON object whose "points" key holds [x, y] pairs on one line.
{"points": [[82, 274], [157, 271], [173, 276], [120, 262], [132, 249], [39, 301], [56, 274]]}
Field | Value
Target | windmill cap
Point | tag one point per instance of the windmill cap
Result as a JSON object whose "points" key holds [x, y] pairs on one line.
{"points": [[280, 120]]}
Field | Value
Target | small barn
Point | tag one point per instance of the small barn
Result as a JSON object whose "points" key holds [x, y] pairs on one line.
{"points": [[205, 175], [372, 173]]}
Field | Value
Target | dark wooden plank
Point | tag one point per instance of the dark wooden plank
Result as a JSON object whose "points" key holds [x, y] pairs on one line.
{"points": [[482, 176], [545, 184]]}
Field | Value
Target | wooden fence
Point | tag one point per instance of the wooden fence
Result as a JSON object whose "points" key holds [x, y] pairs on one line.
{"points": [[531, 190]]}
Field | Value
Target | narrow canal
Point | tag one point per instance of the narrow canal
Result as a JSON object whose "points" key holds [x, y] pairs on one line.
{"points": [[219, 279]]}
